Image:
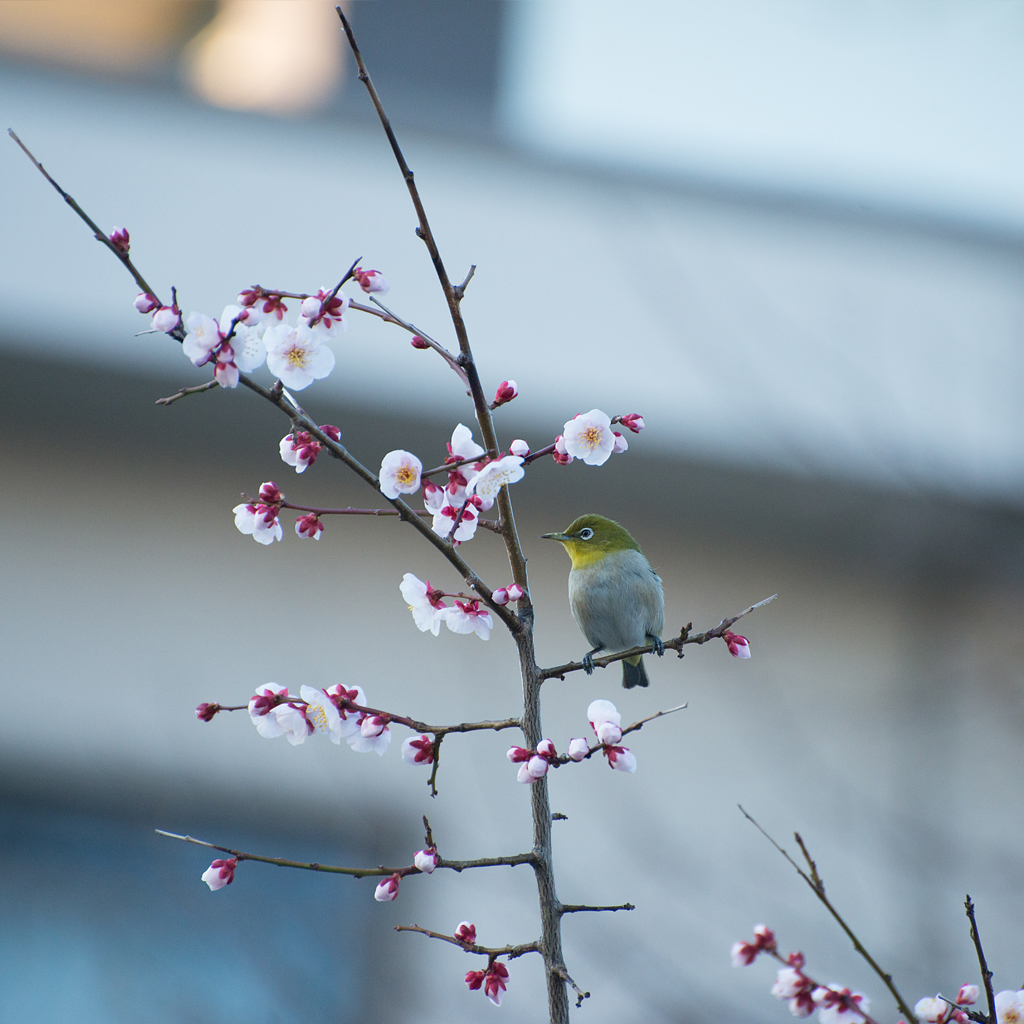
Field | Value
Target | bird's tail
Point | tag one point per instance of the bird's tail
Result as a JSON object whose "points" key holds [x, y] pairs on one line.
{"points": [[634, 673]]}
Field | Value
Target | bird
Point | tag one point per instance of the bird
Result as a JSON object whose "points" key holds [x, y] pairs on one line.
{"points": [[614, 594]]}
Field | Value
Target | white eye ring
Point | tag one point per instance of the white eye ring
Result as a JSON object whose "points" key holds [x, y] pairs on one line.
{"points": [[586, 533]]}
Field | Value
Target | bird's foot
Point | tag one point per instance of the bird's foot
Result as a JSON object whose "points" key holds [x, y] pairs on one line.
{"points": [[659, 645], [588, 664]]}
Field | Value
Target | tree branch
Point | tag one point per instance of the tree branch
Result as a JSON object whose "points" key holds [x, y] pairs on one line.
{"points": [[471, 947], [817, 885], [986, 974]]}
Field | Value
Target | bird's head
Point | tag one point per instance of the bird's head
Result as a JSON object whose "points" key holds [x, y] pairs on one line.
{"points": [[591, 537]]}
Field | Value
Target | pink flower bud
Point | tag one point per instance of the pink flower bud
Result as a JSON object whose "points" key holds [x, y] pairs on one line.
{"points": [[743, 954], [634, 421], [608, 732], [119, 239], [560, 455], [519, 447], [311, 307], [426, 860], [546, 749], [372, 726], [220, 873], [968, 995], [145, 303], [388, 889], [500, 596], [474, 979], [537, 766], [494, 983], [466, 932], [506, 392], [517, 754], [796, 960], [249, 297], [515, 592], [418, 342], [309, 526], [205, 712], [166, 318], [334, 433], [578, 749], [418, 750], [269, 493], [620, 443], [371, 280], [738, 645]]}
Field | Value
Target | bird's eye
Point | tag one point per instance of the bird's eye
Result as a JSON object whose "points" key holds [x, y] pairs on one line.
{"points": [[586, 533]]}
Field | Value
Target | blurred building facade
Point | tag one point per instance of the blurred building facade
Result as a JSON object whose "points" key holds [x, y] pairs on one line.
{"points": [[831, 387]]}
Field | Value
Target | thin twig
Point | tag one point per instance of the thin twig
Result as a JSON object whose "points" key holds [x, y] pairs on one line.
{"points": [[577, 908], [817, 885], [986, 974], [580, 994], [394, 318], [471, 947], [676, 644], [171, 399], [460, 290], [334, 294]]}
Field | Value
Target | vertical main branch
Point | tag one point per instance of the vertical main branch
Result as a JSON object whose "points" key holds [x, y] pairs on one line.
{"points": [[522, 629]]}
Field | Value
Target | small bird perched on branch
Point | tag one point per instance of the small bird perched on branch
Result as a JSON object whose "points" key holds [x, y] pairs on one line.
{"points": [[614, 594]]}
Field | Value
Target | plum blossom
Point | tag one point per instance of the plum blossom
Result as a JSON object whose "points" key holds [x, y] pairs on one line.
{"points": [[418, 750], [492, 980], [260, 519], [309, 526], [466, 932], [588, 436], [462, 445], [203, 338], [388, 889], [560, 455], [120, 240], [792, 985], [469, 617], [446, 516], [486, 483], [433, 496], [425, 603], [519, 447], [426, 860], [620, 443], [296, 356], [220, 873], [145, 303], [968, 995], [371, 281], [507, 390], [399, 474], [322, 713], [931, 1008], [622, 759], [578, 748], [745, 953], [264, 308], [166, 318], [606, 722], [263, 710], [515, 592], [600, 711], [839, 1005], [373, 735], [300, 449], [500, 596], [1010, 1006], [205, 712], [331, 313], [295, 725], [738, 645]]}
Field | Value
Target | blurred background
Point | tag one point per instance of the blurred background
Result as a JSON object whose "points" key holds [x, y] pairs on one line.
{"points": [[788, 232]]}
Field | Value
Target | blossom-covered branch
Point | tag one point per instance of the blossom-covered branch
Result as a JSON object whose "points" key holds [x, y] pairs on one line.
{"points": [[817, 885]]}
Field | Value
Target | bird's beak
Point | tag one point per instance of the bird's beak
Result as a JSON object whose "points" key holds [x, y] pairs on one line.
{"points": [[563, 537]]}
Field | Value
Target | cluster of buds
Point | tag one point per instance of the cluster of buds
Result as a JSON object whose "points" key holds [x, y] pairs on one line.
{"points": [[937, 1010], [606, 722], [260, 519], [503, 595], [300, 449], [336, 711], [492, 980]]}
